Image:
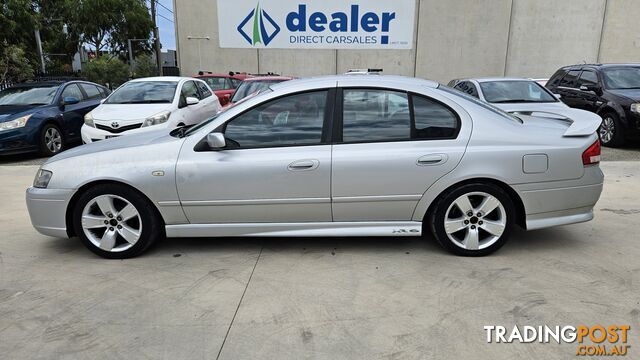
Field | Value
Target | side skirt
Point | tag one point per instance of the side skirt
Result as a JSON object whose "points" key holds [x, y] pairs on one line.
{"points": [[319, 229]]}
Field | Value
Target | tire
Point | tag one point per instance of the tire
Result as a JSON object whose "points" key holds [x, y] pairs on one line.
{"points": [[133, 223], [611, 132], [51, 140], [491, 229]]}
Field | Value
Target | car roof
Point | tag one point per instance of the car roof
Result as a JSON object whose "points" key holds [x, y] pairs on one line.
{"points": [[162, 78], [269, 78], [601, 66], [492, 79], [379, 80]]}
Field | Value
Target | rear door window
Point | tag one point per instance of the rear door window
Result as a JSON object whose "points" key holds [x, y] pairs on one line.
{"points": [[93, 93], [375, 115], [588, 78], [557, 78]]}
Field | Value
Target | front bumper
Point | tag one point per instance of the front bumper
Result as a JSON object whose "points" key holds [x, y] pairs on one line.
{"points": [[91, 134], [48, 210], [17, 141]]}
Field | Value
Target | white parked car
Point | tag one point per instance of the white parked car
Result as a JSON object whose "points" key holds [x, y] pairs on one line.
{"points": [[513, 94], [150, 103]]}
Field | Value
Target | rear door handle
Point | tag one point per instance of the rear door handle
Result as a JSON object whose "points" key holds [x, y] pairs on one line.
{"points": [[303, 165], [432, 159]]}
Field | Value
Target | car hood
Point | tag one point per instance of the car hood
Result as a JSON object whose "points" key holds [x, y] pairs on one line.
{"points": [[511, 107], [122, 142], [8, 112], [127, 112], [631, 94]]}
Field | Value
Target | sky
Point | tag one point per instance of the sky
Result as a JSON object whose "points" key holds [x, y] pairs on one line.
{"points": [[164, 18]]}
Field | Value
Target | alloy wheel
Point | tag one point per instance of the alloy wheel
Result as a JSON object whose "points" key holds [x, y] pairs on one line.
{"points": [[607, 129], [475, 221], [53, 140], [111, 223]]}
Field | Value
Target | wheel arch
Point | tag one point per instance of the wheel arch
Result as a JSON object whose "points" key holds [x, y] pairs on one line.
{"points": [[74, 200], [521, 218]]}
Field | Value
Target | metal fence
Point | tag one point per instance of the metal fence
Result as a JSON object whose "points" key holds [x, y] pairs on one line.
{"points": [[48, 76], [6, 84]]}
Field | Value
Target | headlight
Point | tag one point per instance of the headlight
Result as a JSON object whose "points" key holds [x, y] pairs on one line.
{"points": [[635, 108], [42, 179], [156, 119], [14, 124], [88, 120]]}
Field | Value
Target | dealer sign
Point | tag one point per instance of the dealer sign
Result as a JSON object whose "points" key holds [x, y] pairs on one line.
{"points": [[326, 24]]}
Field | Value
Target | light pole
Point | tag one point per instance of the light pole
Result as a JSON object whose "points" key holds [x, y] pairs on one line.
{"points": [[199, 50], [129, 41]]}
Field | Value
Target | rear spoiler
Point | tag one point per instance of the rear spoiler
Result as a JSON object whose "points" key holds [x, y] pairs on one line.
{"points": [[581, 122]]}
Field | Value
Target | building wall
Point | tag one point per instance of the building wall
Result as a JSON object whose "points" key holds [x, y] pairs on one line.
{"points": [[454, 38]]}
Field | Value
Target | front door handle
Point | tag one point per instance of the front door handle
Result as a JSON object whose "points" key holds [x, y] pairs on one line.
{"points": [[432, 159], [303, 165]]}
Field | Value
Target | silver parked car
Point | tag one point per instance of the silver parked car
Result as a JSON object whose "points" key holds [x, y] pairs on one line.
{"points": [[364, 155]]}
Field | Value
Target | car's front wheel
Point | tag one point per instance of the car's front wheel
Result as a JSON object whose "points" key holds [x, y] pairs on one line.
{"points": [[611, 132], [473, 219], [51, 140], [116, 222]]}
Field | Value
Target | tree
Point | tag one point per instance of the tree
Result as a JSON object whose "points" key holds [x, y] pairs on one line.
{"points": [[107, 71], [109, 23], [14, 65], [145, 66]]}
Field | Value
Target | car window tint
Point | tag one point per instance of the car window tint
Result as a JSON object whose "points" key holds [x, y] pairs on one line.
{"points": [[204, 91], [467, 87], [235, 82], [375, 115], [92, 92], [571, 79], [588, 78], [288, 121], [72, 90], [189, 90], [556, 78], [216, 83], [103, 92], [433, 120]]}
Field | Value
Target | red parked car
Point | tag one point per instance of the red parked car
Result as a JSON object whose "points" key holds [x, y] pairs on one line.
{"points": [[223, 85]]}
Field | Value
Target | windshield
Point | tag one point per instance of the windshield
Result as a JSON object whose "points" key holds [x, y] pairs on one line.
{"points": [[28, 95], [515, 92], [480, 103], [622, 78], [249, 87], [216, 83], [144, 92]]}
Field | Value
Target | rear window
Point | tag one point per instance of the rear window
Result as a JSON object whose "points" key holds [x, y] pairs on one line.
{"points": [[480, 103], [557, 77]]}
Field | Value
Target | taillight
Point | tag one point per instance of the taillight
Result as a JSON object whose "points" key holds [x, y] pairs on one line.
{"points": [[591, 156]]}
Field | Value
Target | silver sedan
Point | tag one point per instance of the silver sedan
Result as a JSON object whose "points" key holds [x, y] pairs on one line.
{"points": [[364, 155]]}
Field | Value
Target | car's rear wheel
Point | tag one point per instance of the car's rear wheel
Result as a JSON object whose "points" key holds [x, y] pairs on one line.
{"points": [[473, 220], [611, 132], [116, 222], [51, 140]]}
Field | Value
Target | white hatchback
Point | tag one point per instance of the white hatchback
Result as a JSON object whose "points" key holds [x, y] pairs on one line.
{"points": [[150, 103]]}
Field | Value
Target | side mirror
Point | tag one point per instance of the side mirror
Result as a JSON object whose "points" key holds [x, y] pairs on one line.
{"points": [[192, 100], [558, 96], [216, 140], [594, 88], [70, 100]]}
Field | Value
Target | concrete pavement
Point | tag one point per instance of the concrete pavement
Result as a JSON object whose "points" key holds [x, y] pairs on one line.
{"points": [[390, 298]]}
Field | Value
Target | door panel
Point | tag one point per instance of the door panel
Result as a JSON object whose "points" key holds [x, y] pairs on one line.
{"points": [[276, 166], [255, 185], [402, 144]]}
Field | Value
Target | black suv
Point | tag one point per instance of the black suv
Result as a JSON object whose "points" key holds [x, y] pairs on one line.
{"points": [[609, 90]]}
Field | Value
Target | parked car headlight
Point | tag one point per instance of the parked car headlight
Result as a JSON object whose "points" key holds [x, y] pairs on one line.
{"points": [[14, 124], [156, 119], [88, 120], [42, 179], [635, 108]]}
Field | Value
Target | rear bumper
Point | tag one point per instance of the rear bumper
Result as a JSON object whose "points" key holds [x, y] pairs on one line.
{"points": [[561, 203], [47, 210]]}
